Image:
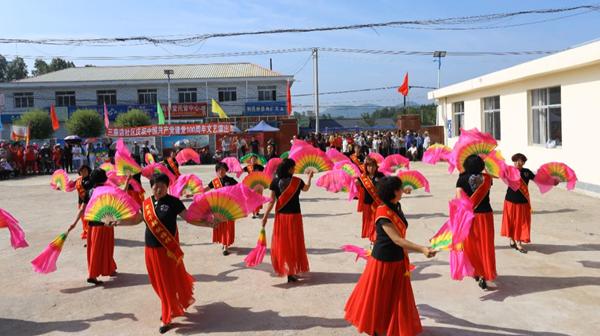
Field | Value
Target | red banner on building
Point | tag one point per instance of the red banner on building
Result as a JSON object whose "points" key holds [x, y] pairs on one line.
{"points": [[167, 130], [186, 110]]}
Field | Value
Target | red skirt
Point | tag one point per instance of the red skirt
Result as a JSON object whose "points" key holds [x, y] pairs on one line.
{"points": [[288, 253], [383, 302], [224, 233], [100, 248], [85, 229], [479, 246], [368, 222], [171, 282], [516, 221]]}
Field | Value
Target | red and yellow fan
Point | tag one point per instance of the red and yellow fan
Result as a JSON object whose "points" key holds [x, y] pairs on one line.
{"points": [[472, 142], [225, 204], [110, 204], [552, 173], [125, 165], [60, 181], [187, 185], [413, 179], [311, 160], [257, 181]]}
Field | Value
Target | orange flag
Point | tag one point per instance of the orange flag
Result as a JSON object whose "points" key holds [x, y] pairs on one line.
{"points": [[55, 123], [403, 89], [289, 99]]}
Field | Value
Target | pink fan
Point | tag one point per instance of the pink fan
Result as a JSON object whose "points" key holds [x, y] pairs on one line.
{"points": [[378, 157], [413, 179], [552, 173], [335, 156], [122, 148], [436, 153], [158, 168], [17, 236], [511, 176], [349, 167], [338, 180], [252, 199], [60, 181], [360, 252], [125, 164], [271, 166], [187, 185], [225, 204], [393, 163], [233, 166], [298, 145], [186, 155]]}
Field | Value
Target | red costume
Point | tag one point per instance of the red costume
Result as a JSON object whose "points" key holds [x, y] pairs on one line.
{"points": [[100, 249], [516, 216], [224, 233], [368, 201], [81, 192]]}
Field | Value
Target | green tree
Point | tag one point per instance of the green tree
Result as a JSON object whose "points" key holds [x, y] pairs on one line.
{"points": [[57, 63], [39, 122], [85, 123], [133, 118], [40, 67], [17, 69], [3, 69]]}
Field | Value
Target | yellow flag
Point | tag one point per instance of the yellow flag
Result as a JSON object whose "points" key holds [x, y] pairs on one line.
{"points": [[216, 108]]}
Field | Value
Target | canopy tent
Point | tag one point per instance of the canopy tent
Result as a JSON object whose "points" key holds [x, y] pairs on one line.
{"points": [[236, 129], [262, 126]]}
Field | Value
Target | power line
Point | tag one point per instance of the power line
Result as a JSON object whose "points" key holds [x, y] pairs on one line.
{"points": [[197, 38]]}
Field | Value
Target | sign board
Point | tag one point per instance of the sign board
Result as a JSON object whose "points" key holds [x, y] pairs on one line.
{"points": [[168, 130], [9, 118], [449, 128], [187, 110], [264, 108]]}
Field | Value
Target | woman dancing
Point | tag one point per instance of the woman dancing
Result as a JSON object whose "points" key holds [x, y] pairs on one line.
{"points": [[250, 168], [223, 234], [82, 185], [368, 200]]}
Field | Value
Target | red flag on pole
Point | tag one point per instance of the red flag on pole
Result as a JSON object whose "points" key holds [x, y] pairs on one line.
{"points": [[106, 121], [55, 123], [403, 89], [289, 99]]}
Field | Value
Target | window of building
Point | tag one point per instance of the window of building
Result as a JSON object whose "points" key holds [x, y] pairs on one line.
{"points": [[458, 117], [65, 98], [147, 96], [23, 99], [188, 95], [491, 116], [108, 97], [227, 94], [266, 93], [546, 125]]}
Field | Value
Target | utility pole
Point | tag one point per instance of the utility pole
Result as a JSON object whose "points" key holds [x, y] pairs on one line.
{"points": [[315, 56], [439, 54], [169, 72]]}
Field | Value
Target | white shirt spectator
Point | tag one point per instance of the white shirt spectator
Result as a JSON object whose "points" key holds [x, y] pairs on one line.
{"points": [[345, 145], [426, 142]]}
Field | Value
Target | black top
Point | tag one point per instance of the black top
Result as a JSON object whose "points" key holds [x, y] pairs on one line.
{"points": [[516, 196], [225, 181], [384, 248], [293, 205], [468, 184], [254, 144], [85, 182], [257, 167], [167, 209], [367, 198]]}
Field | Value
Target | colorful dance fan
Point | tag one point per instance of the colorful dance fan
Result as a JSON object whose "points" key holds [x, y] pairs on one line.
{"points": [[158, 168], [494, 163], [187, 154], [472, 142], [413, 179], [46, 262], [393, 163], [17, 235], [552, 173], [335, 181], [110, 204], [257, 180], [125, 165], [60, 181], [311, 160], [256, 256], [360, 252], [377, 157], [233, 166], [107, 166], [252, 199], [335, 156], [511, 176], [348, 167], [223, 204], [119, 181], [187, 185], [260, 159], [149, 158], [122, 148], [271, 166], [436, 153], [298, 146], [284, 155]]}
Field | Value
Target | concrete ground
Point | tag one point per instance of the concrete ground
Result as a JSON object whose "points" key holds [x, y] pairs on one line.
{"points": [[553, 290]]}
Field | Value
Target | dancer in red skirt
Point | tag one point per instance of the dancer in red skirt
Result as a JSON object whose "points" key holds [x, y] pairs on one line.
{"points": [[479, 244], [223, 234], [82, 185], [164, 257], [368, 199], [100, 238], [516, 217], [288, 253], [252, 167], [382, 303]]}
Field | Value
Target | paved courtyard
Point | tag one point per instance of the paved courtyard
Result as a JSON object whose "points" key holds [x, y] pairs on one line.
{"points": [[553, 290]]}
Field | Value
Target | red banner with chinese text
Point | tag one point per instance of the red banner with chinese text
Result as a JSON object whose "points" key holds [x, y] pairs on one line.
{"points": [[173, 129]]}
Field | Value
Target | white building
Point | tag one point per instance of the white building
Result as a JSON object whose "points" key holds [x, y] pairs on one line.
{"points": [[547, 109], [242, 89]]}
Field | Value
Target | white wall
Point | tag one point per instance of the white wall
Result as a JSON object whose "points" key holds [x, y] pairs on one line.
{"points": [[580, 97]]}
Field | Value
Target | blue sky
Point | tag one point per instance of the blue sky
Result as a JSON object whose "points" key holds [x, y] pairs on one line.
{"points": [[78, 19]]}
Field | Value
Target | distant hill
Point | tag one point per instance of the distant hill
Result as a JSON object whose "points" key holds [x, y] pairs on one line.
{"points": [[350, 111]]}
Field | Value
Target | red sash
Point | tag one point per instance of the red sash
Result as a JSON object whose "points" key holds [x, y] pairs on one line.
{"points": [[217, 183], [158, 229], [79, 187], [370, 188], [383, 211], [356, 161], [288, 193], [173, 167], [524, 189], [481, 191]]}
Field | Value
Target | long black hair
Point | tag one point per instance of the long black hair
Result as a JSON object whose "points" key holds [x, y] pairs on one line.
{"points": [[473, 165], [387, 187], [283, 170]]}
